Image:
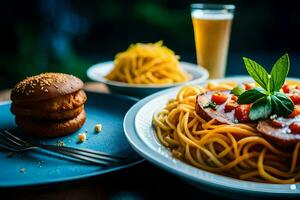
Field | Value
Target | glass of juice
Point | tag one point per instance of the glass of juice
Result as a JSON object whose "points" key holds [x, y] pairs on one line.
{"points": [[212, 27]]}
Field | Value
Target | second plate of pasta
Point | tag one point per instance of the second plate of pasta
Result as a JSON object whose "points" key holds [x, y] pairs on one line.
{"points": [[98, 72]]}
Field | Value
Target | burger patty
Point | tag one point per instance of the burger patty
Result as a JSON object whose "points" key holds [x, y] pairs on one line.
{"points": [[42, 128], [65, 102], [41, 114]]}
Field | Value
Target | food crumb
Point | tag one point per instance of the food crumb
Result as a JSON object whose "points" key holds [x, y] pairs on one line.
{"points": [[10, 154], [60, 143], [40, 163], [98, 128], [22, 170], [81, 137]]}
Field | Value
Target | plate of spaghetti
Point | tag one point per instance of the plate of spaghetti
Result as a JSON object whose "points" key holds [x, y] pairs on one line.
{"points": [[144, 69], [231, 136]]}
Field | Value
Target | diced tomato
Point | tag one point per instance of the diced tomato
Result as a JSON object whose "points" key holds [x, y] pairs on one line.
{"points": [[231, 105], [242, 113], [219, 98], [295, 98], [234, 98], [295, 112], [286, 88], [249, 86], [276, 123], [295, 127]]}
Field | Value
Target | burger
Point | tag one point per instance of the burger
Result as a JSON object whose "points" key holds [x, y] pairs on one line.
{"points": [[49, 104]]}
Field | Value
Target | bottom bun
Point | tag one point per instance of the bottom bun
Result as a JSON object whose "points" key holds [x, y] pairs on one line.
{"points": [[49, 128]]}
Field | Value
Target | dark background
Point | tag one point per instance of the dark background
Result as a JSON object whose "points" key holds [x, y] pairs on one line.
{"points": [[69, 36]]}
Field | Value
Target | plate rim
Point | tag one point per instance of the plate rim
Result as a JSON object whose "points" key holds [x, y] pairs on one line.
{"points": [[190, 65], [78, 177], [154, 157]]}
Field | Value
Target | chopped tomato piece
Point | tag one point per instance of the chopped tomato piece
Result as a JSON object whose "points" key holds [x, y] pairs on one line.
{"points": [[242, 113], [276, 123], [234, 98], [295, 127], [295, 112], [249, 86], [286, 88], [219, 98], [295, 98], [231, 105]]}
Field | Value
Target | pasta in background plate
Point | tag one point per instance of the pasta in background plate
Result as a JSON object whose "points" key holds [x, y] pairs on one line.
{"points": [[147, 64]]}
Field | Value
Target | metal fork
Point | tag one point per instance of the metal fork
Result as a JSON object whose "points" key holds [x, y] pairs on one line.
{"points": [[13, 143]]}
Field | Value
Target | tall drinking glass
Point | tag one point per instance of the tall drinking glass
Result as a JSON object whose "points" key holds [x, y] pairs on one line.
{"points": [[212, 27]]}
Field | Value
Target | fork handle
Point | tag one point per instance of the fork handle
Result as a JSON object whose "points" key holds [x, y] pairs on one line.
{"points": [[89, 153], [59, 150]]}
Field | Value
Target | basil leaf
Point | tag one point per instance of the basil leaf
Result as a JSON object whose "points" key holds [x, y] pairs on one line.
{"points": [[261, 109], [279, 72], [257, 72], [250, 96], [282, 105], [237, 90]]}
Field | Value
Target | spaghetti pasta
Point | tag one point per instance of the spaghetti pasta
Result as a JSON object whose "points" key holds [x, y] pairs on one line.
{"points": [[235, 150], [147, 64]]}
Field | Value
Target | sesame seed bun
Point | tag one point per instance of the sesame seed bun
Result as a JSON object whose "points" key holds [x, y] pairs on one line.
{"points": [[45, 86]]}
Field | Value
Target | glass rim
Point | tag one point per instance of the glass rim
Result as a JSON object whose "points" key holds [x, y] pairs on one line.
{"points": [[212, 6]]}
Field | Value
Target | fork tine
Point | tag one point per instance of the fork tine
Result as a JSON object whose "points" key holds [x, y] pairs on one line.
{"points": [[5, 147], [10, 139], [6, 144], [14, 137]]}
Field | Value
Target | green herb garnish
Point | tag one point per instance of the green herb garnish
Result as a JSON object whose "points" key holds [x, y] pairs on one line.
{"points": [[267, 100], [237, 90], [211, 105], [250, 96]]}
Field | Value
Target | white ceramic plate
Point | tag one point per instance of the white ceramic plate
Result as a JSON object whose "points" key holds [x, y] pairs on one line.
{"points": [[141, 135], [98, 72]]}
